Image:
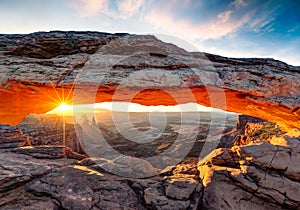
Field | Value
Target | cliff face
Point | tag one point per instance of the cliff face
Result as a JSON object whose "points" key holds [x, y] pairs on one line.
{"points": [[38, 69]]}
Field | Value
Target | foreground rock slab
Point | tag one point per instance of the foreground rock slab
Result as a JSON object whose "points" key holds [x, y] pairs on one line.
{"points": [[258, 175], [30, 183]]}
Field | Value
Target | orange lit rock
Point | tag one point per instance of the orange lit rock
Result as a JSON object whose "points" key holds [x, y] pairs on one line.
{"points": [[263, 174], [38, 70]]}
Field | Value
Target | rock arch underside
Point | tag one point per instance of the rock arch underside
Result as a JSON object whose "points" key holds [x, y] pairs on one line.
{"points": [[256, 166]]}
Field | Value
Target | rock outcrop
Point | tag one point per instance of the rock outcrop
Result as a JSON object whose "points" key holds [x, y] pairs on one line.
{"points": [[244, 120], [48, 130], [261, 173], [248, 176], [12, 137], [38, 68]]}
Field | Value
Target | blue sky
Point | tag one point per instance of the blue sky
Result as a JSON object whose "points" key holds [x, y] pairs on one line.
{"points": [[234, 28]]}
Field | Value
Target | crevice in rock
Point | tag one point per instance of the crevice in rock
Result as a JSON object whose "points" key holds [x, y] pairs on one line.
{"points": [[275, 153], [139, 194]]}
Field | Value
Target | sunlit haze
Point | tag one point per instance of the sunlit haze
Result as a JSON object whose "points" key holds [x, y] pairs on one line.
{"points": [[67, 110], [63, 109]]}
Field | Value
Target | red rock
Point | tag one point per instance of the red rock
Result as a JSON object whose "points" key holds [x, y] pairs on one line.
{"points": [[34, 75], [12, 137]]}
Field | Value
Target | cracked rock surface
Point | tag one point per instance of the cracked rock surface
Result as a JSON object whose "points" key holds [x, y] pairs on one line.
{"points": [[258, 175], [263, 174], [28, 183]]}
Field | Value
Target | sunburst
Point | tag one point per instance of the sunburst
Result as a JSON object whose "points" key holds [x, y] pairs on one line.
{"points": [[63, 105]]}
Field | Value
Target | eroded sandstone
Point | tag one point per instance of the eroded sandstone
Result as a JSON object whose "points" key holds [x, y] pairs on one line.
{"points": [[12, 137], [37, 69], [260, 174]]}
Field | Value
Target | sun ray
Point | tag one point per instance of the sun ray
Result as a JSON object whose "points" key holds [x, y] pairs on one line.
{"points": [[58, 96], [72, 87], [63, 93], [55, 91], [57, 101]]}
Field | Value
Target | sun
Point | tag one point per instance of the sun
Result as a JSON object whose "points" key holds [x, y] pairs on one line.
{"points": [[63, 109]]}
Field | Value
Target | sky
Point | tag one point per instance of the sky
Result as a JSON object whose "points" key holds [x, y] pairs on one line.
{"points": [[233, 28]]}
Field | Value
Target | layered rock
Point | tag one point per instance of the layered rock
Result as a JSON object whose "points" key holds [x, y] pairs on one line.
{"points": [[244, 120], [39, 67], [12, 137], [51, 130]]}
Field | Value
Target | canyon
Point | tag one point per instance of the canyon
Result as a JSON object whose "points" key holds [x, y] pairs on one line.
{"points": [[251, 160]]}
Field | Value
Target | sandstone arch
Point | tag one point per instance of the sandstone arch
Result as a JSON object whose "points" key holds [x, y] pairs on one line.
{"points": [[38, 68]]}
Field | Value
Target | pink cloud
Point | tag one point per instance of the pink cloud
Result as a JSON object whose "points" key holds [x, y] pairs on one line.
{"points": [[216, 28], [128, 8], [163, 17], [89, 8], [224, 16], [92, 8]]}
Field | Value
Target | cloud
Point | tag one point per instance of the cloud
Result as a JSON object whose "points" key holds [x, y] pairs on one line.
{"points": [[92, 8], [128, 8], [293, 29], [239, 3], [224, 16], [89, 8], [162, 16], [222, 25], [263, 24]]}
